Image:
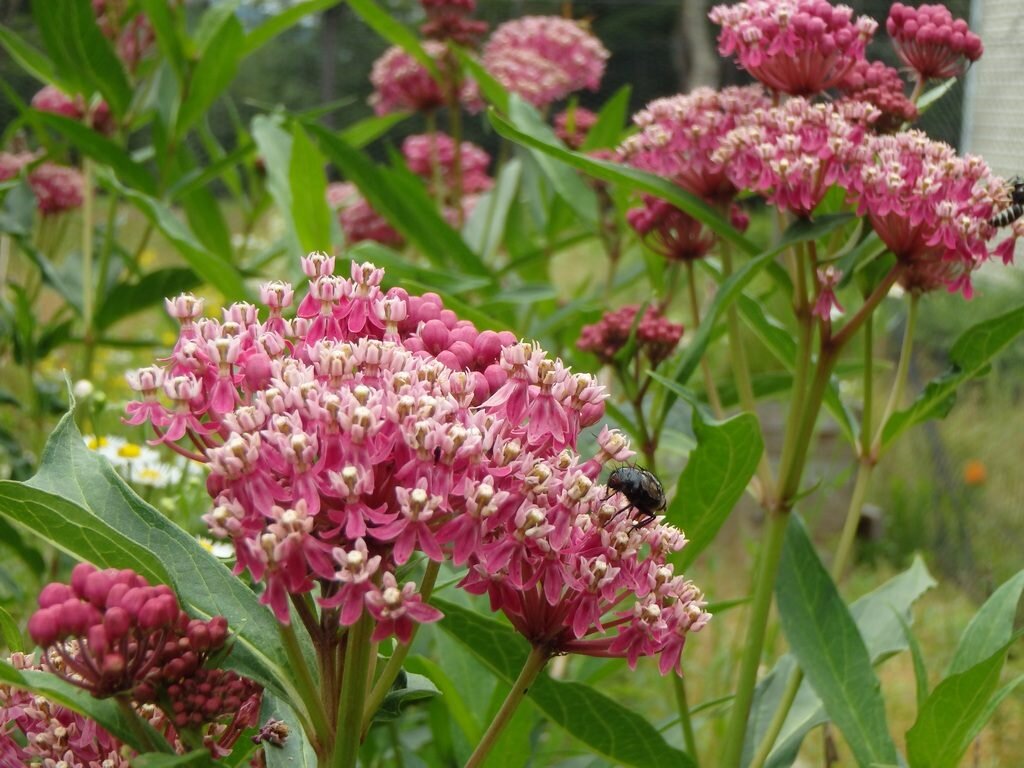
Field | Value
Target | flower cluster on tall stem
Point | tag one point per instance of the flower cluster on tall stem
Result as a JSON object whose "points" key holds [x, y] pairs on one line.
{"points": [[400, 82], [58, 188], [543, 59], [374, 427], [799, 47], [931, 42]]}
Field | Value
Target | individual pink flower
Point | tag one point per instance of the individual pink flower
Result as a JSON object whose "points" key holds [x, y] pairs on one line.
{"points": [[400, 82], [930, 207], [931, 42], [793, 153], [881, 86], [51, 99], [387, 428], [827, 303], [799, 47], [543, 59], [656, 336]]}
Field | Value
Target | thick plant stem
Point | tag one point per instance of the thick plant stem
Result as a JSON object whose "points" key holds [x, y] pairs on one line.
{"points": [[534, 664], [305, 685], [757, 622], [689, 740], [709, 380], [348, 733], [390, 672]]}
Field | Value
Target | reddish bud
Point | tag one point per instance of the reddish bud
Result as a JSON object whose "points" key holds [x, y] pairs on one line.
{"points": [[79, 574], [487, 347], [54, 594], [435, 336], [44, 627], [117, 622]]}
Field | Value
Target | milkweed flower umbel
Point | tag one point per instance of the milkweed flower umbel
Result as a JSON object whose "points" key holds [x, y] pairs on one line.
{"points": [[930, 207], [799, 47], [544, 58], [379, 426], [931, 42], [58, 188], [656, 335], [400, 82]]}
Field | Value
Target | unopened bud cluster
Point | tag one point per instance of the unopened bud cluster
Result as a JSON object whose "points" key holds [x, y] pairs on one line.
{"points": [[656, 336]]}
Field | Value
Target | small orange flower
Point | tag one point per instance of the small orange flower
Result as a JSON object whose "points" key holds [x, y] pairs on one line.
{"points": [[975, 472]]}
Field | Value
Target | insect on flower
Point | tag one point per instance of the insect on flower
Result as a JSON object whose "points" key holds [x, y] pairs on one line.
{"points": [[642, 490], [1016, 210]]}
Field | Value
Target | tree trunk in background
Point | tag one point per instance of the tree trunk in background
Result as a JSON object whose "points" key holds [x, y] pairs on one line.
{"points": [[331, 24], [693, 51]]}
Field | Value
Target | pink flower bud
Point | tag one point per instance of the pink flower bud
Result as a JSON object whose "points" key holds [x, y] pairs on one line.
{"points": [[435, 335], [117, 623], [45, 627], [54, 594], [79, 574]]}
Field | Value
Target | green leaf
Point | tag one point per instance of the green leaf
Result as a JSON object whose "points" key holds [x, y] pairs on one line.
{"points": [[486, 226], [207, 222], [607, 130], [282, 21], [310, 212], [991, 627], [213, 268], [167, 27], [580, 709], [128, 298], [83, 57], [99, 148], [685, 364], [968, 356], [630, 178], [10, 633], [381, 22], [408, 688], [199, 758], [80, 505], [920, 670], [829, 648], [19, 209], [296, 752], [213, 73], [569, 185], [404, 202], [493, 91], [358, 135], [103, 711], [28, 58], [954, 714], [457, 706], [714, 479], [876, 615]]}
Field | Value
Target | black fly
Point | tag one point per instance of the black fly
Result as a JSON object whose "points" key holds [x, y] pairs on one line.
{"points": [[1016, 209], [642, 490]]}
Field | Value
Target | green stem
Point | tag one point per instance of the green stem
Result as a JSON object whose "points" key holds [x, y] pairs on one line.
{"points": [[869, 385], [88, 282], [305, 686], [534, 664], [348, 731], [757, 622], [394, 666], [902, 371], [689, 740], [709, 380], [778, 719], [108, 244]]}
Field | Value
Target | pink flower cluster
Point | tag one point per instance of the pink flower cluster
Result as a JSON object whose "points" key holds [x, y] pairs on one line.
{"points": [[450, 20], [127, 27], [544, 58], [793, 153], [679, 136], [656, 336], [375, 425], [931, 208], [881, 86], [110, 632], [669, 231], [357, 218], [57, 188], [400, 82], [931, 42], [37, 732], [432, 157], [799, 47], [51, 99]]}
